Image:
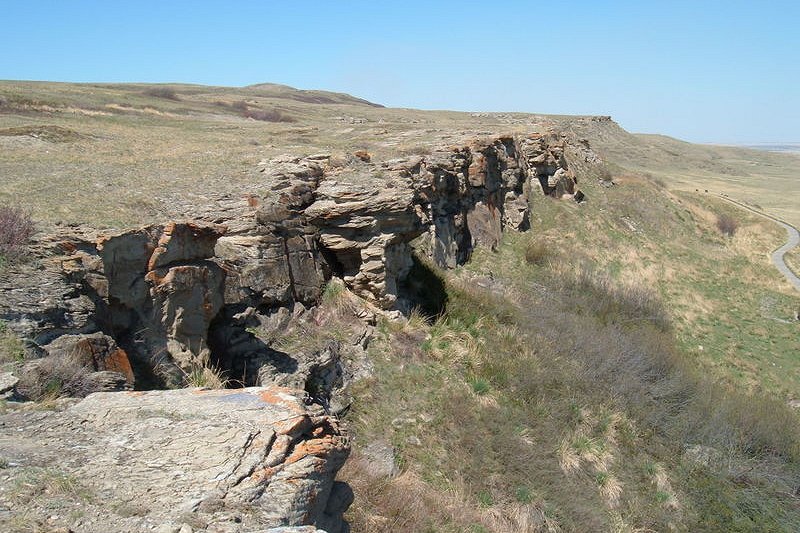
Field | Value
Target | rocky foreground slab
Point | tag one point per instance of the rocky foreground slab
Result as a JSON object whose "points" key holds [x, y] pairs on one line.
{"points": [[175, 460]]}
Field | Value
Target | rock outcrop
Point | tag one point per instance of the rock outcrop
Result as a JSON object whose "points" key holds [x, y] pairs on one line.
{"points": [[227, 461], [157, 291], [147, 307]]}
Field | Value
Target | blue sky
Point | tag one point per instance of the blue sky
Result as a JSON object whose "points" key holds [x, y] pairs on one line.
{"points": [[703, 71]]}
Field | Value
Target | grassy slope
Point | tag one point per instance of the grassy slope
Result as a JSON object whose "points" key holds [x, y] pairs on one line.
{"points": [[765, 179], [566, 399], [732, 310], [566, 385]]}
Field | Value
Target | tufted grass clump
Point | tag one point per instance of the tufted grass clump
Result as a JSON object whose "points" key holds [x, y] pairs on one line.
{"points": [[537, 253], [207, 377], [53, 377], [12, 350]]}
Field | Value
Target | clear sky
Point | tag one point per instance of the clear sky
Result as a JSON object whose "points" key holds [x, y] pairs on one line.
{"points": [[704, 71]]}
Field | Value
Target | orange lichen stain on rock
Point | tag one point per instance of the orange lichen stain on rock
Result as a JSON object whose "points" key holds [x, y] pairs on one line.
{"points": [[263, 474], [132, 393], [292, 426], [68, 247], [320, 447], [118, 361], [161, 247], [283, 397], [363, 155]]}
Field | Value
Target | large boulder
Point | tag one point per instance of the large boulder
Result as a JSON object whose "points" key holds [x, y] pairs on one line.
{"points": [[232, 460], [95, 352]]}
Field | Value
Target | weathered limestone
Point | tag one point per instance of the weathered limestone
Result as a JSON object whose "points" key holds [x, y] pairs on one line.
{"points": [[185, 299], [8, 385], [157, 290], [546, 162], [236, 460]]}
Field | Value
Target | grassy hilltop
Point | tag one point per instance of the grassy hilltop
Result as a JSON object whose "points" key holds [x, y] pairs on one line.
{"points": [[628, 364]]}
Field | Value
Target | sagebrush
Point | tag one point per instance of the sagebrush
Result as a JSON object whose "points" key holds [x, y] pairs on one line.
{"points": [[16, 229]]}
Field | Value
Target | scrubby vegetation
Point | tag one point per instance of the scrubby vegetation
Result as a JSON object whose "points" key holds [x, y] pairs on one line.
{"points": [[208, 376], [11, 348], [570, 395], [537, 252], [16, 228], [727, 225], [518, 406], [50, 378], [162, 92], [256, 113]]}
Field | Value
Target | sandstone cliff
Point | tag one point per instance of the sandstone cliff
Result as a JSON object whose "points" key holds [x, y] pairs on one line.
{"points": [[156, 294], [145, 308]]}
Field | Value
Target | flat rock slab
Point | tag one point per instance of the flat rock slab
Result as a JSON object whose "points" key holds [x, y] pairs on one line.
{"points": [[240, 460], [7, 382]]}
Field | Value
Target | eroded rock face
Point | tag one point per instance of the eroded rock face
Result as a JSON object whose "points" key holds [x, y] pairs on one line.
{"points": [[235, 460], [160, 290], [156, 291], [546, 160], [147, 306], [457, 198]]}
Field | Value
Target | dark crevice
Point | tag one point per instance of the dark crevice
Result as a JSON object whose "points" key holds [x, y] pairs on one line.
{"points": [[424, 288], [289, 268]]}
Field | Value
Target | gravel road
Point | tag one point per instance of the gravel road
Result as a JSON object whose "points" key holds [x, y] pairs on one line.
{"points": [[793, 240]]}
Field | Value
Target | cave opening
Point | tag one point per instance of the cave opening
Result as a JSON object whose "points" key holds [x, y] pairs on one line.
{"points": [[424, 288]]}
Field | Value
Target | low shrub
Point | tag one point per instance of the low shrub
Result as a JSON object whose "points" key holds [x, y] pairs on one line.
{"points": [[11, 348], [727, 225], [248, 111], [167, 93], [267, 115], [537, 253], [16, 229], [55, 377]]}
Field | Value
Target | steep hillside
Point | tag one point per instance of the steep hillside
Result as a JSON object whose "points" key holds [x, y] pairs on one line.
{"points": [[767, 179], [624, 350]]}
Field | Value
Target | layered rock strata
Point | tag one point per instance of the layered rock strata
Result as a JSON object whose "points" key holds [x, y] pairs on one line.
{"points": [[161, 290], [227, 461], [147, 307]]}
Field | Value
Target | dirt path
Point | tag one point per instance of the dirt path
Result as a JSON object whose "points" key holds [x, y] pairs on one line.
{"points": [[793, 240]]}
